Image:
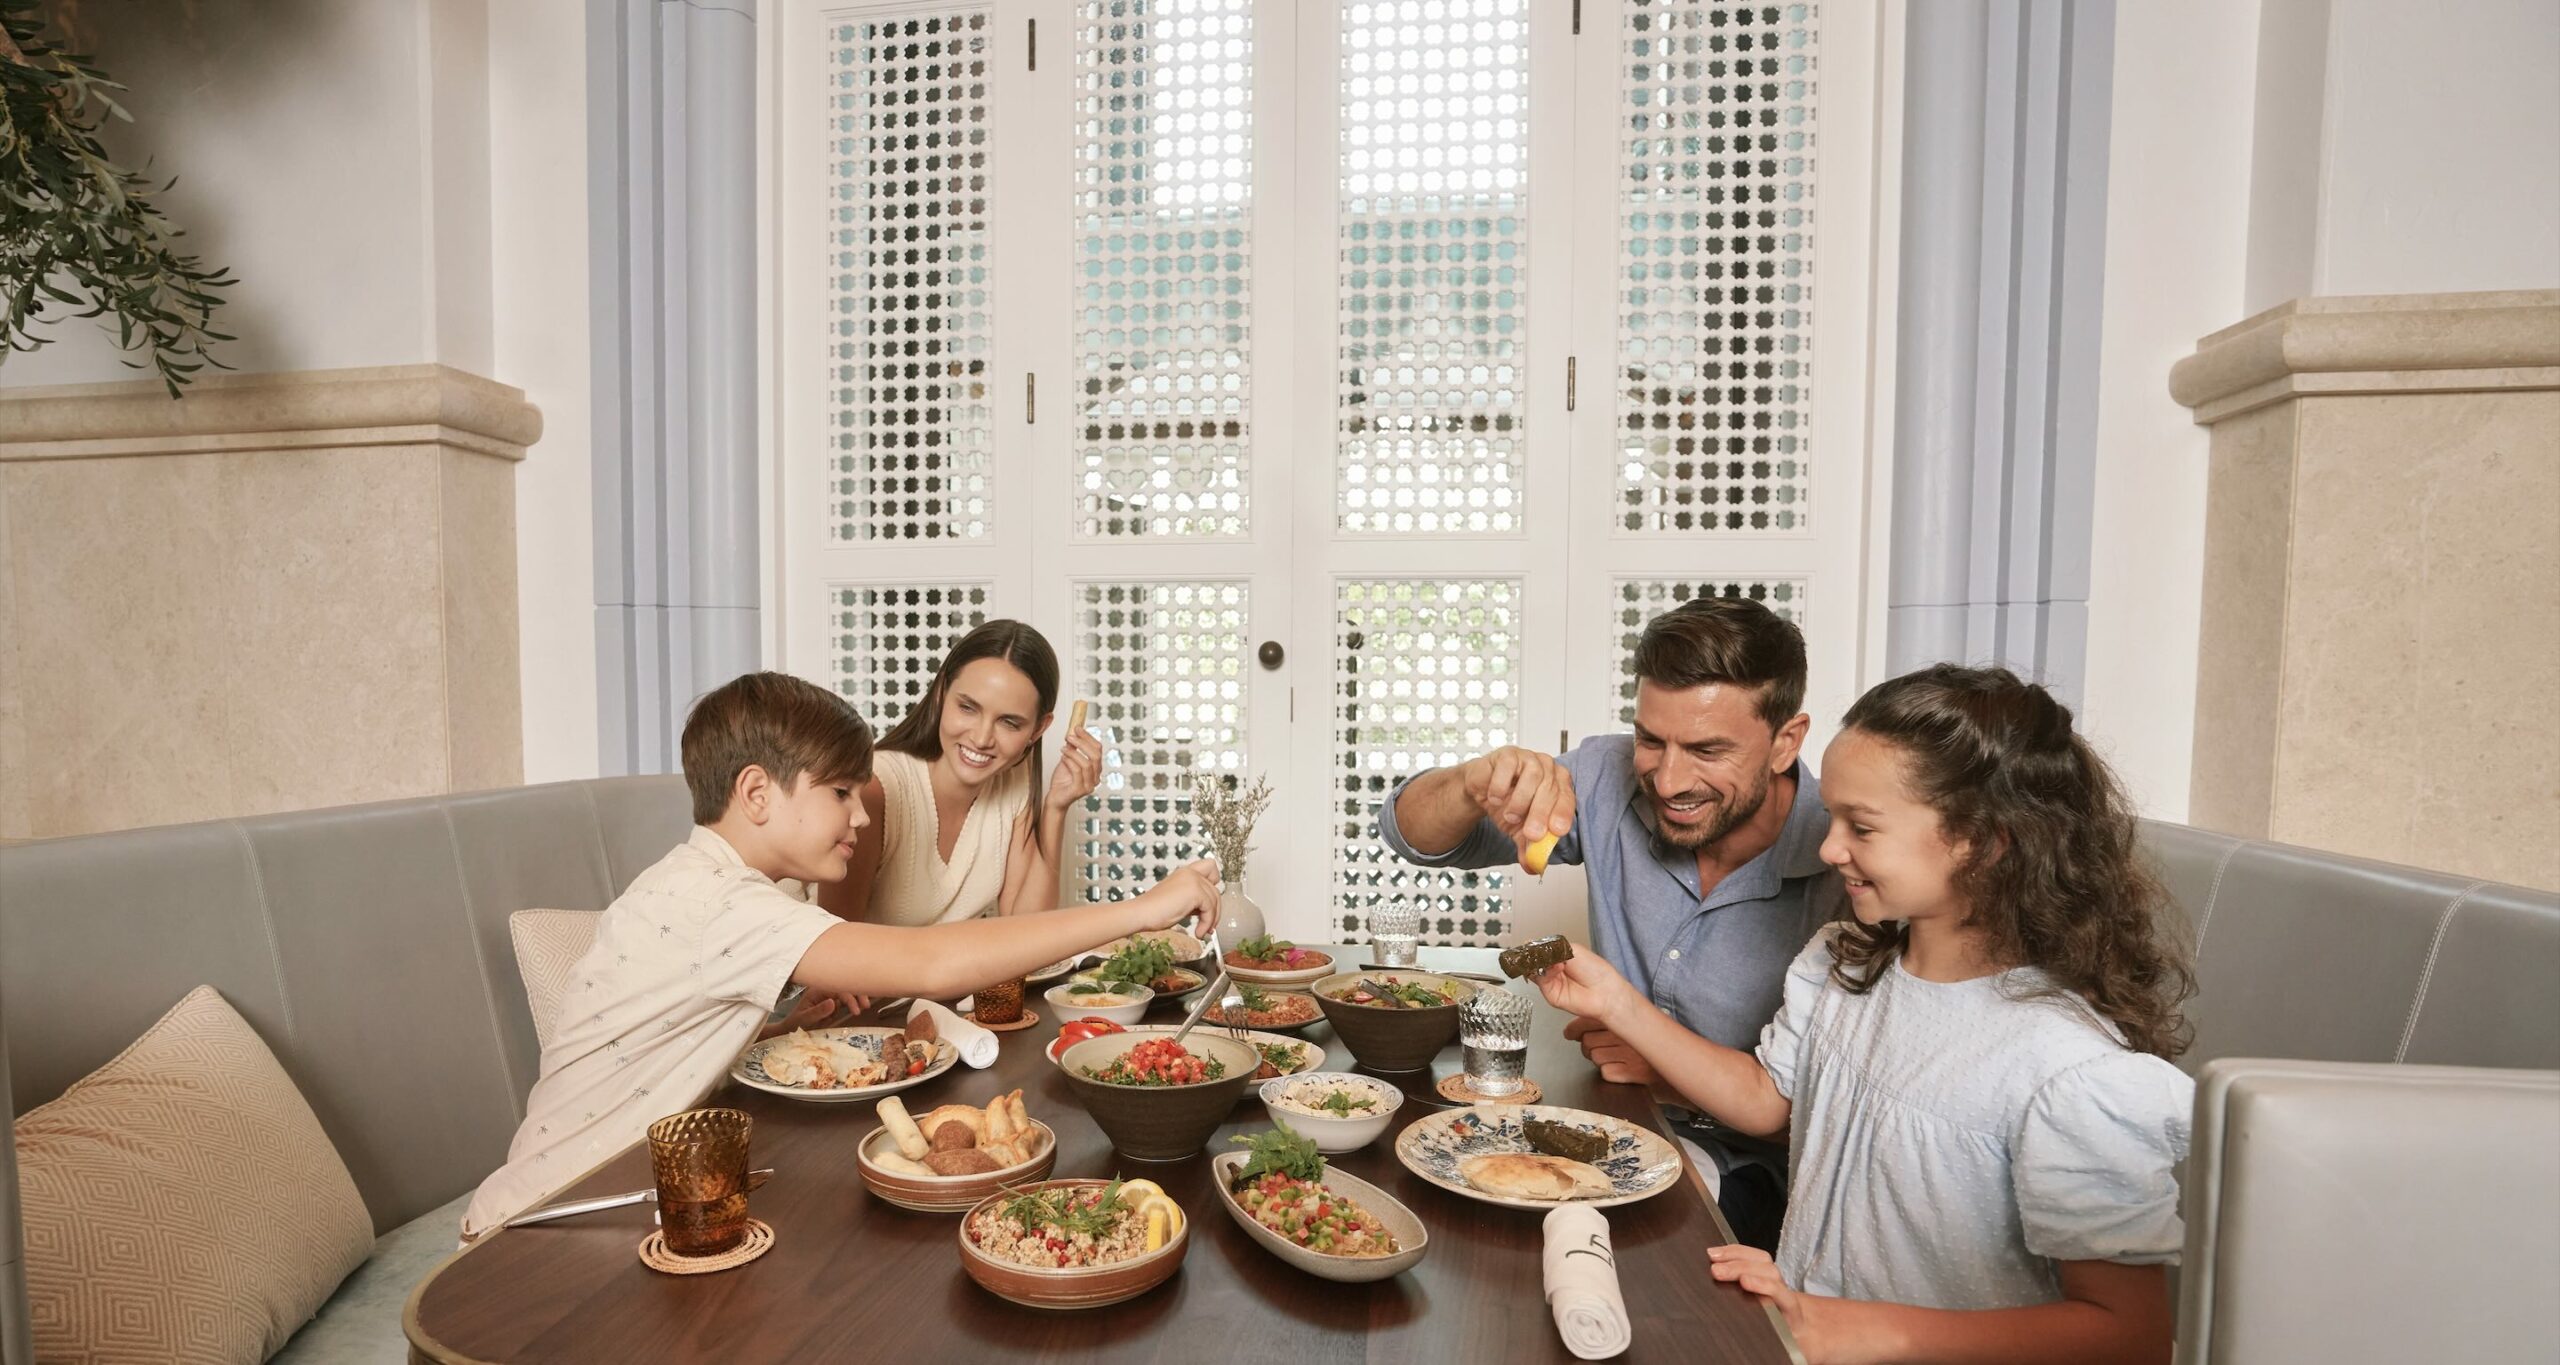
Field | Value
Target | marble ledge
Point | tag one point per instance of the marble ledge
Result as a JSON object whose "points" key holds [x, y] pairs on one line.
{"points": [[2389, 343], [299, 410]]}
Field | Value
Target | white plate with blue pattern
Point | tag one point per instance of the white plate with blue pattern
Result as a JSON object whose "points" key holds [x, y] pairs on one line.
{"points": [[1640, 1163], [749, 1068]]}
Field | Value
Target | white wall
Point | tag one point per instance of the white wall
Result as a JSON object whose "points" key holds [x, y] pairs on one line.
{"points": [[538, 203], [2178, 193], [393, 181]]}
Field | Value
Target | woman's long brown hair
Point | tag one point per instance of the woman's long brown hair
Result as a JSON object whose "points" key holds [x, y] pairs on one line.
{"points": [[2053, 874], [1015, 642]]}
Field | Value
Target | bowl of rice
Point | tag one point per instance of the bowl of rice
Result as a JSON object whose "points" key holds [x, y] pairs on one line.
{"points": [[1340, 1111], [1072, 1243]]}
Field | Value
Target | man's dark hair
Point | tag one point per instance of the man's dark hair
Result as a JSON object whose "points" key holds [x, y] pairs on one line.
{"points": [[782, 724], [1726, 640]]}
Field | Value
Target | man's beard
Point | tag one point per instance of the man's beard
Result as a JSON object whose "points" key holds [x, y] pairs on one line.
{"points": [[1730, 816]]}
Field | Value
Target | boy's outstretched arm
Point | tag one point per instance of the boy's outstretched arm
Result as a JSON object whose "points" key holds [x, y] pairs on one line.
{"points": [[944, 960]]}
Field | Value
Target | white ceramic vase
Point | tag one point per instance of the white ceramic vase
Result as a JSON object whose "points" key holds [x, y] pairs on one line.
{"points": [[1238, 917]]}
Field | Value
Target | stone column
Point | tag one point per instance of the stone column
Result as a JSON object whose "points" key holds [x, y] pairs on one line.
{"points": [[283, 591], [2380, 663]]}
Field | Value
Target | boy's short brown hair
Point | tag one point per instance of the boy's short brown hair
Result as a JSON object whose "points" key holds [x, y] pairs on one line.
{"points": [[782, 724]]}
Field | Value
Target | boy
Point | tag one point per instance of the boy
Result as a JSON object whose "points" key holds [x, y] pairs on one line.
{"points": [[689, 960]]}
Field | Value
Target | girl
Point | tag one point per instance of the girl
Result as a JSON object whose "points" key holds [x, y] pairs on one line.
{"points": [[1972, 1073], [965, 824]]}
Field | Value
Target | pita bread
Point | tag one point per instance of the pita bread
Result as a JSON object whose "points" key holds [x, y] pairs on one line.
{"points": [[1535, 1175]]}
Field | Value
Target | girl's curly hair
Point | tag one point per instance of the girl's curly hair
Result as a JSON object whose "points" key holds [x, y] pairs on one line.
{"points": [[2052, 872]]}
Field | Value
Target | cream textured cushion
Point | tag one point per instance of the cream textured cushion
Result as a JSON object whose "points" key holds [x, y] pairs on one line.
{"points": [[548, 943], [181, 1202]]}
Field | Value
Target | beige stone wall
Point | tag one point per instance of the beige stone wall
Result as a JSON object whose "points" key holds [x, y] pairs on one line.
{"points": [[2380, 671], [279, 593]]}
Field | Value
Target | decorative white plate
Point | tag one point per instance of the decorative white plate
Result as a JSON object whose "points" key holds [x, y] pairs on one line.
{"points": [[1312, 1057], [1640, 1163], [749, 1068]]}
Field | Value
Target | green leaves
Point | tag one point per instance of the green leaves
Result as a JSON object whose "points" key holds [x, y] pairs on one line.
{"points": [[79, 235], [1283, 1150]]}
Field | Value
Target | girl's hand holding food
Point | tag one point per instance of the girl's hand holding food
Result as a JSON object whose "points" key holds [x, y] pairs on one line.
{"points": [[1584, 984]]}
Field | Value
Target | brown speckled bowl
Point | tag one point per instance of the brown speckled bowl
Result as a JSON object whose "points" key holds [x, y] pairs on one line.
{"points": [[1088, 1288], [1392, 1040], [949, 1193], [1160, 1122]]}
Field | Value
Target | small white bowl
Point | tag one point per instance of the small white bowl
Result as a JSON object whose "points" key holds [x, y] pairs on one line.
{"points": [[1071, 1006], [1329, 1132]]}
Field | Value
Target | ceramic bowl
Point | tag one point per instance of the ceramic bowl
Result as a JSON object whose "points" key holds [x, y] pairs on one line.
{"points": [[1325, 965], [1160, 1122], [1081, 1288], [1412, 1239], [1069, 1005], [1393, 1039], [948, 1193], [1332, 1132], [1315, 1015]]}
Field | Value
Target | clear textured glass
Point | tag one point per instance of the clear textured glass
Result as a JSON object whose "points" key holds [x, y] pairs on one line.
{"points": [[1395, 933], [700, 1159], [1493, 1028]]}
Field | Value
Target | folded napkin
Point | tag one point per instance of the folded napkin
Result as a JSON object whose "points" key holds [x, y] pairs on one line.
{"points": [[977, 1046], [1582, 1283]]}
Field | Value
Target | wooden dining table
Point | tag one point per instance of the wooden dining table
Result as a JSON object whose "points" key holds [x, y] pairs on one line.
{"points": [[852, 1277]]}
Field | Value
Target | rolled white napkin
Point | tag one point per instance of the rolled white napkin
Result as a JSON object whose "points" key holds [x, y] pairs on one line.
{"points": [[1582, 1283], [977, 1046]]}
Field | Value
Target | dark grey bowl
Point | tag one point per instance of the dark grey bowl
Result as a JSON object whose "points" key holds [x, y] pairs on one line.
{"points": [[1160, 1122], [1392, 1040]]}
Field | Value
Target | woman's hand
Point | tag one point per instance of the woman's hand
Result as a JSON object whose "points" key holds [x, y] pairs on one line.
{"points": [[1192, 889], [1824, 1327], [1079, 771]]}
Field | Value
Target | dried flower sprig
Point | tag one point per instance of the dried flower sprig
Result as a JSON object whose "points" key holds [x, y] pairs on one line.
{"points": [[1226, 812]]}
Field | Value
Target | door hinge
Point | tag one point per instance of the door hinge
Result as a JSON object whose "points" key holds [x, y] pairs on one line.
{"points": [[1031, 42], [1030, 398], [1572, 364], [1564, 740], [1577, 17], [1293, 706]]}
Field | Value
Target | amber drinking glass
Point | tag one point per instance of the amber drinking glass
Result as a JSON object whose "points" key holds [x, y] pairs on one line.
{"points": [[701, 1161], [1000, 1003]]}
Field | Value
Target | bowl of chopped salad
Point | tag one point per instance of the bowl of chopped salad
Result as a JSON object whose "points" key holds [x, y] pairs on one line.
{"points": [[1157, 1099], [1282, 1192], [1338, 1111], [1393, 1020], [1074, 1243]]}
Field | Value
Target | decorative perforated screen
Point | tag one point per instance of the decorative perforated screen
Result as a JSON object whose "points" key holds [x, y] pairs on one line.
{"points": [[907, 273], [1638, 600], [1163, 268], [888, 641], [1425, 673], [1162, 664], [1433, 241], [1716, 165]]}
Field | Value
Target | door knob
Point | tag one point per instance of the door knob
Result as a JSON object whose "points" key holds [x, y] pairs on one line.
{"points": [[1271, 654]]}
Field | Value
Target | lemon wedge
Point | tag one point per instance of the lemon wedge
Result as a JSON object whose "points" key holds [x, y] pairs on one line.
{"points": [[1137, 1192], [1533, 859], [1161, 1207], [1158, 1228]]}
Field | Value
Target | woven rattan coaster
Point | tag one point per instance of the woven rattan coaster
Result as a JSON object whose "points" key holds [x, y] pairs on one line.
{"points": [[654, 1253], [1029, 1017], [1456, 1088]]}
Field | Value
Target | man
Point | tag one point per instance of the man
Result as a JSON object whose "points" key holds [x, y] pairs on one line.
{"points": [[1701, 834]]}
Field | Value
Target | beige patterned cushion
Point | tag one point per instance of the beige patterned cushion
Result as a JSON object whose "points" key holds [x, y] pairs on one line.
{"points": [[548, 943], [181, 1202]]}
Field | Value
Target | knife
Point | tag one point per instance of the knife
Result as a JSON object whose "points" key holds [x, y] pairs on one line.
{"points": [[755, 1181], [1462, 976]]}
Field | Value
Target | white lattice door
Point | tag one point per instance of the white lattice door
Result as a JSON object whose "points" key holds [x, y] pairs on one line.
{"points": [[1338, 384]]}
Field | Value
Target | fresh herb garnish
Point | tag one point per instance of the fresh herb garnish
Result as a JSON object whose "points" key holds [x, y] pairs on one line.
{"points": [[1340, 1103], [1088, 988], [1253, 997], [1058, 1208], [1281, 1151], [1137, 964], [1265, 948], [1282, 1055]]}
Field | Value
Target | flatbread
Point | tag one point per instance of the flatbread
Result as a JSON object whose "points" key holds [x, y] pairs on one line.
{"points": [[1535, 1175]]}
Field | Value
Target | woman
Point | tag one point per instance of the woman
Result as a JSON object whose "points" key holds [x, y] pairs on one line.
{"points": [[966, 825]]}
